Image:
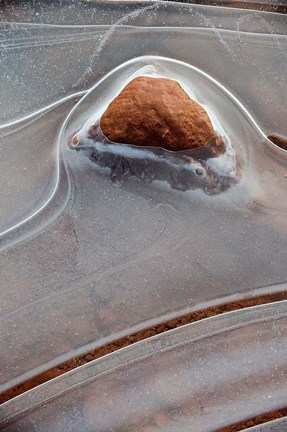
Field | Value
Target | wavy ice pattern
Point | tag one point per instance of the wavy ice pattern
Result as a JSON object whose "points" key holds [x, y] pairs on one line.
{"points": [[116, 257], [229, 117]]}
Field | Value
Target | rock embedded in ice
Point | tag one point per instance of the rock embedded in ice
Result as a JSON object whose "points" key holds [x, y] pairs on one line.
{"points": [[153, 131], [157, 112]]}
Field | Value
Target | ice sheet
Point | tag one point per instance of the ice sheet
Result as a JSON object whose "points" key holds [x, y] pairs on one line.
{"points": [[202, 377], [94, 261]]}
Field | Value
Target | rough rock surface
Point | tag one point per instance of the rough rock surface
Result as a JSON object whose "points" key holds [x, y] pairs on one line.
{"points": [[157, 112]]}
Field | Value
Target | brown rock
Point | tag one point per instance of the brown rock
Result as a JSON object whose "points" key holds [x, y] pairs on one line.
{"points": [[157, 112]]}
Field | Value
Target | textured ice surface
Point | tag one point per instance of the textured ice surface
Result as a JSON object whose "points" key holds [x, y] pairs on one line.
{"points": [[100, 261], [209, 374]]}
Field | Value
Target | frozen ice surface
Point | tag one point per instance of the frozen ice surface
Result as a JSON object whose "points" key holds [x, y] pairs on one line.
{"points": [[185, 170], [278, 425], [94, 261], [201, 377]]}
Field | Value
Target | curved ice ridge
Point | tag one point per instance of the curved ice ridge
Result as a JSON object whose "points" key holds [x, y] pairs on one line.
{"points": [[42, 110], [86, 93], [57, 161]]}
